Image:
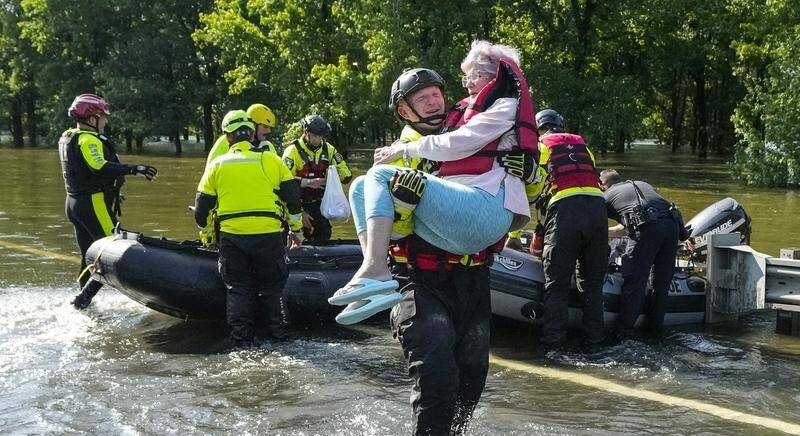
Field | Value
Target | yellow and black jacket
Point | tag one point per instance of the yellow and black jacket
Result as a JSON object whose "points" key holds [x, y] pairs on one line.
{"points": [[250, 190]]}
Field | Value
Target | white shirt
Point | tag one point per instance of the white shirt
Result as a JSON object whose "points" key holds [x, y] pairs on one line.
{"points": [[496, 122]]}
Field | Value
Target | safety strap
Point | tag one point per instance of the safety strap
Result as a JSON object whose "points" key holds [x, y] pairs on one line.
{"points": [[639, 195], [503, 152], [308, 158], [263, 213], [419, 254], [91, 268]]}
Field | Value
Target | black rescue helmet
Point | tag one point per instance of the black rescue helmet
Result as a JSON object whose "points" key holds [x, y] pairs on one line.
{"points": [[316, 125], [411, 81], [549, 119]]}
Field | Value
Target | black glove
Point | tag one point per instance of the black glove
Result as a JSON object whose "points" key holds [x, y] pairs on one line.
{"points": [[519, 164], [684, 232], [408, 187], [147, 171]]}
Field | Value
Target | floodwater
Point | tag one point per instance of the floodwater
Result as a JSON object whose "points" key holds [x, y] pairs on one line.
{"points": [[120, 368]]}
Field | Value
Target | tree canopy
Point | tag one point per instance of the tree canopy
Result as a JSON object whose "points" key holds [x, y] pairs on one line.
{"points": [[715, 76]]}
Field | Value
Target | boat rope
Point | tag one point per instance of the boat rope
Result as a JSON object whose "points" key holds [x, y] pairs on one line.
{"points": [[93, 266], [669, 400]]}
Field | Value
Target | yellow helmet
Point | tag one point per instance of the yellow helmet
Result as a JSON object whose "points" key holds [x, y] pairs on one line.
{"points": [[234, 120], [262, 115]]}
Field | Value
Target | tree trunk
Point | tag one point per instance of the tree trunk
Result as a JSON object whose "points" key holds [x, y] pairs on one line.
{"points": [[583, 25], [178, 145], [619, 141], [16, 122], [701, 113], [208, 125], [129, 140], [30, 118], [678, 106], [139, 143], [678, 133]]}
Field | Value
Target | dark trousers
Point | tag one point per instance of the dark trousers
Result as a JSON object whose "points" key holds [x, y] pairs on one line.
{"points": [[653, 246], [322, 227], [443, 326], [81, 212], [576, 233], [254, 270]]}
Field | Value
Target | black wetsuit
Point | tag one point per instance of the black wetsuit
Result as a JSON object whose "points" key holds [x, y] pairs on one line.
{"points": [[92, 203], [443, 325]]}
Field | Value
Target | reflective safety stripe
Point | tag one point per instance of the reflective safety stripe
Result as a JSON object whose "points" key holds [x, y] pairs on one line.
{"points": [[238, 161], [101, 212]]}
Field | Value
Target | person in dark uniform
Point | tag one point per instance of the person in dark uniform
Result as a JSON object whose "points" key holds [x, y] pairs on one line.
{"points": [[575, 231], [308, 158], [252, 257], [648, 220], [93, 176]]}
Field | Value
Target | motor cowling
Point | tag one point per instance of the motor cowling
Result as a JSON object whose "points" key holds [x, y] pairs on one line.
{"points": [[724, 216]]}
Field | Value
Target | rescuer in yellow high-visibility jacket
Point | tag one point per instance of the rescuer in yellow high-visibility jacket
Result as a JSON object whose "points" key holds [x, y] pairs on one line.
{"points": [[250, 190], [308, 158]]}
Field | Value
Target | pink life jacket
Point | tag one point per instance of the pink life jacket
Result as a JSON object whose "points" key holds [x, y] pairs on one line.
{"points": [[570, 165], [508, 82]]}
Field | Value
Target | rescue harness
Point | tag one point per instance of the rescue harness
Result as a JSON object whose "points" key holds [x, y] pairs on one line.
{"points": [[418, 254]]}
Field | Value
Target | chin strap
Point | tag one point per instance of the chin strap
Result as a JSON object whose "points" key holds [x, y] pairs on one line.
{"points": [[433, 120], [94, 127]]}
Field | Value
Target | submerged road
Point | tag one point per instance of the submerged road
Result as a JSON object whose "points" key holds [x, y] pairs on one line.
{"points": [[572, 377], [120, 368]]}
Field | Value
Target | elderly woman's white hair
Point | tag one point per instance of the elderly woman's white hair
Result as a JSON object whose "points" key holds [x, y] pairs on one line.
{"points": [[483, 56]]}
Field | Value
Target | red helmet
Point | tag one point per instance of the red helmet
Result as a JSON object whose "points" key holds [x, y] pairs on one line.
{"points": [[86, 105]]}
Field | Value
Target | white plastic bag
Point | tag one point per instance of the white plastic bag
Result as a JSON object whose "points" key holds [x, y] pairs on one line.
{"points": [[335, 206]]}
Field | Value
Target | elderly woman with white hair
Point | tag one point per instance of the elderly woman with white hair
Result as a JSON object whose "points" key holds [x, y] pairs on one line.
{"points": [[466, 207]]}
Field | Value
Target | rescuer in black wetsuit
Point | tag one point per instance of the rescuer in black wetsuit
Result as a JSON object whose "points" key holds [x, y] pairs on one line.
{"points": [[93, 176]]}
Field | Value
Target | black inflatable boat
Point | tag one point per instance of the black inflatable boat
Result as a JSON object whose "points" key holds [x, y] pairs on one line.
{"points": [[181, 278]]}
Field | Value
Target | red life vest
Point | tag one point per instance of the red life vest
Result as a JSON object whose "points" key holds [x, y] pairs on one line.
{"points": [[570, 165], [312, 170], [508, 82]]}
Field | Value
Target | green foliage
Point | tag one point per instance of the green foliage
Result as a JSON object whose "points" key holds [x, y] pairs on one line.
{"points": [[666, 69], [768, 120]]}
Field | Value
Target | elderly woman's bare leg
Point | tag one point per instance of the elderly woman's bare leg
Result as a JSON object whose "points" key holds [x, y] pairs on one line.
{"points": [[377, 241]]}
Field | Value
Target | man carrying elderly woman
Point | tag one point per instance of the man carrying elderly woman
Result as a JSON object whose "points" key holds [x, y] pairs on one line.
{"points": [[442, 319]]}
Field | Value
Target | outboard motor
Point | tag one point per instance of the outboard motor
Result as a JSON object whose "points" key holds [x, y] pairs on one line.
{"points": [[724, 216]]}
